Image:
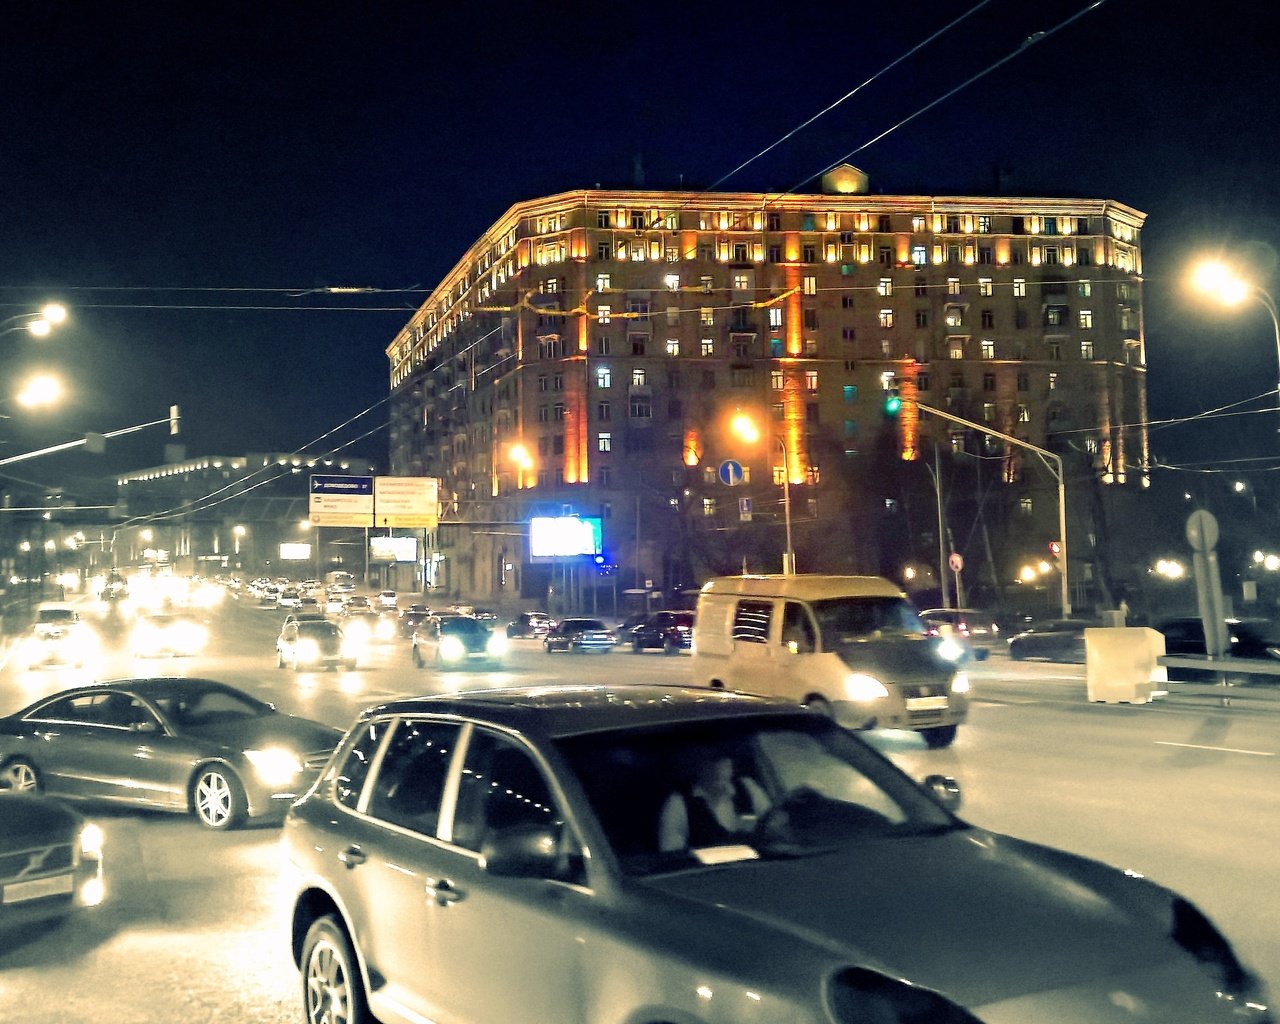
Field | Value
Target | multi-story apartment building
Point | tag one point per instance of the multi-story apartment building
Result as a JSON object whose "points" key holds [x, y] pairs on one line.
{"points": [[587, 353]]}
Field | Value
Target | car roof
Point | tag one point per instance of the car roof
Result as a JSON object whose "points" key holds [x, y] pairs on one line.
{"points": [[560, 711], [803, 587]]}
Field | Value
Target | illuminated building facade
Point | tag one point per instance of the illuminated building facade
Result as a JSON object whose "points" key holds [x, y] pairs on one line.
{"points": [[586, 353]]}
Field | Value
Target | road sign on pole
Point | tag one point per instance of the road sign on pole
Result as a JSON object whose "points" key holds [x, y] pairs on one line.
{"points": [[731, 473], [406, 501], [340, 501]]}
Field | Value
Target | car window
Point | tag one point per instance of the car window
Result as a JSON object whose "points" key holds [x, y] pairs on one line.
{"points": [[85, 708], [193, 707], [501, 786], [412, 775], [349, 781], [751, 621], [797, 629], [850, 619], [126, 712]]}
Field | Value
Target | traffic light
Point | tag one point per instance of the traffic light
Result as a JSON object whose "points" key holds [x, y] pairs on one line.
{"points": [[892, 402], [1055, 548], [175, 418]]}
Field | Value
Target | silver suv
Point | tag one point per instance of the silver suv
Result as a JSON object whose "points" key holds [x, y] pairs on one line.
{"points": [[595, 855]]}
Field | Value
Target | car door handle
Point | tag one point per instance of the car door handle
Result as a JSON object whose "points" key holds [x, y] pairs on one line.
{"points": [[352, 857], [441, 890]]}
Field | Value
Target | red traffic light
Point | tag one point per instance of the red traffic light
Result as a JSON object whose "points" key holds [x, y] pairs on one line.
{"points": [[1055, 548]]}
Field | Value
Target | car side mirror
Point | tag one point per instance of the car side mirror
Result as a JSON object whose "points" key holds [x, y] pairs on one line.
{"points": [[523, 851], [945, 790]]}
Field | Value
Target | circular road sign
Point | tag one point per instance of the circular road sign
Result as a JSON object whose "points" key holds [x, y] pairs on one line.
{"points": [[956, 561], [731, 472]]}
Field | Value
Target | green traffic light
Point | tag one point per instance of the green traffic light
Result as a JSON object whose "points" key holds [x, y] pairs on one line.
{"points": [[892, 404]]}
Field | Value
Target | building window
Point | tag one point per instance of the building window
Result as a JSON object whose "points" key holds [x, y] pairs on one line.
{"points": [[922, 318], [955, 316], [708, 380], [984, 224], [775, 318], [638, 344], [673, 347], [988, 382], [641, 407], [1053, 382], [602, 282], [1084, 289], [953, 286], [885, 287], [708, 347], [708, 506], [1086, 319], [809, 285], [775, 380], [922, 382], [558, 411], [956, 347], [741, 282], [1055, 350], [706, 316], [988, 348], [1051, 255], [544, 416], [850, 393], [917, 222], [884, 256], [811, 380], [557, 382], [988, 412], [886, 346], [809, 254], [603, 250], [1020, 319], [639, 377], [604, 377], [1025, 505], [773, 221], [1055, 316], [603, 345], [605, 476], [886, 318], [919, 255], [741, 378], [848, 334], [1019, 288], [988, 319], [775, 254], [543, 382], [742, 346], [602, 219], [810, 319], [1086, 350], [604, 411], [984, 286], [1024, 414], [986, 255], [921, 287], [1024, 382], [604, 442], [604, 314]]}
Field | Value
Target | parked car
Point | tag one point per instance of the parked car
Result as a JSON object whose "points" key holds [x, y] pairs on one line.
{"points": [[534, 624], [669, 632], [579, 636], [456, 641], [1052, 640], [213, 751], [1256, 638], [50, 860], [976, 629], [174, 635], [315, 643], [452, 837]]}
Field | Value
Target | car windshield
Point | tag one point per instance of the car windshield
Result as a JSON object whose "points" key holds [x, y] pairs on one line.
{"points": [[581, 624], [56, 616], [317, 629], [463, 627], [803, 785], [849, 620]]}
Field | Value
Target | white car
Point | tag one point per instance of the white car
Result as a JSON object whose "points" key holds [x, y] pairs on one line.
{"points": [[387, 600]]}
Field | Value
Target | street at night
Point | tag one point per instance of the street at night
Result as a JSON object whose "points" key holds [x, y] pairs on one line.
{"points": [[194, 924]]}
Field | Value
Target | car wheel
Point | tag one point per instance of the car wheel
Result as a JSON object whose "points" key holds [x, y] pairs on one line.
{"points": [[218, 798], [669, 649], [20, 776], [636, 647], [332, 990], [418, 660], [820, 705], [1015, 652], [939, 736]]}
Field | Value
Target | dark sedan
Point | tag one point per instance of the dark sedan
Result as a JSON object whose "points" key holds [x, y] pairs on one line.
{"points": [[1255, 638], [1054, 640], [456, 641], [669, 632], [535, 624], [50, 860], [193, 746], [586, 855], [578, 636]]}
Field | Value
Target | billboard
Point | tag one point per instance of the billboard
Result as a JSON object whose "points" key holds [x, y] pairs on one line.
{"points": [[564, 537], [295, 552], [393, 549]]}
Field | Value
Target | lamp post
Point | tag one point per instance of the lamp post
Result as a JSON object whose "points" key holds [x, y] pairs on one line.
{"points": [[40, 324], [745, 428], [1220, 281]]}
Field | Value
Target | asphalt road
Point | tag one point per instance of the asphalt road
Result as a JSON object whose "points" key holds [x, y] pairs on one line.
{"points": [[1183, 790]]}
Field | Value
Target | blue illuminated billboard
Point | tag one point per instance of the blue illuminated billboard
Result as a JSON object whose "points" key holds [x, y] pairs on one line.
{"points": [[564, 537]]}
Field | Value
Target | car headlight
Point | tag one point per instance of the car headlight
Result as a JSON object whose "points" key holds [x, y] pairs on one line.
{"points": [[960, 682], [308, 650], [91, 837], [386, 629], [275, 766], [190, 638], [950, 650], [452, 649], [861, 687], [497, 645], [857, 994], [351, 645]]}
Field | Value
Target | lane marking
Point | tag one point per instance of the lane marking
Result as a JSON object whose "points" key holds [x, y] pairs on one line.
{"points": [[1222, 750]]}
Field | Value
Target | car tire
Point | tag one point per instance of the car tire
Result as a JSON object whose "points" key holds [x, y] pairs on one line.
{"points": [[279, 658], [332, 989], [939, 736], [21, 776], [1016, 653], [637, 647], [670, 649], [217, 798], [418, 660]]}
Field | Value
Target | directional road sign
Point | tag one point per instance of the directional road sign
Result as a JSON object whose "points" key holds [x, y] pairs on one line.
{"points": [[406, 501], [341, 501], [731, 472]]}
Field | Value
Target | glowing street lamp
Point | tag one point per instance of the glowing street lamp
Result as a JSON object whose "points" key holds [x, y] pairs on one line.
{"points": [[745, 428], [1221, 282], [39, 324], [40, 391]]}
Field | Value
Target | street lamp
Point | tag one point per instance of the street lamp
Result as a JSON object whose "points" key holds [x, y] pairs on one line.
{"points": [[41, 390], [40, 324], [745, 428], [1220, 281]]}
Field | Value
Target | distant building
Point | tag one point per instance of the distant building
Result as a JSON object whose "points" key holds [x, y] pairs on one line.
{"points": [[586, 353]]}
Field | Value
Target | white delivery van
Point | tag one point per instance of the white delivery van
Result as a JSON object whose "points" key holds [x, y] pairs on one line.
{"points": [[852, 646]]}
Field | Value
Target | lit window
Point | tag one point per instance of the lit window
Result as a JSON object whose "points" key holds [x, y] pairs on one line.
{"points": [[673, 316], [604, 314], [706, 285], [604, 442], [810, 285], [984, 224], [956, 347], [672, 282], [955, 316], [708, 347], [706, 316], [1086, 319], [741, 282], [917, 222], [673, 346], [919, 255], [775, 380], [988, 349], [1024, 414], [775, 317], [953, 286], [984, 286], [641, 407], [811, 380], [885, 287], [708, 506], [886, 346], [602, 282], [639, 377], [1019, 288], [1025, 505], [1053, 382], [988, 412], [1084, 289], [1086, 350], [886, 318], [850, 392]]}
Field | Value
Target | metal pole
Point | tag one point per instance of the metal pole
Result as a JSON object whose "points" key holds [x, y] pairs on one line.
{"points": [[788, 556], [1267, 301], [942, 544]]}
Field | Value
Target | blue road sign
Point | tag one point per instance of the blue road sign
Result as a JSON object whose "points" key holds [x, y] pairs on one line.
{"points": [[342, 485], [731, 472]]}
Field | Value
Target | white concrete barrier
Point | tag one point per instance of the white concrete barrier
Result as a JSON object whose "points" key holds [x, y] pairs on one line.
{"points": [[1122, 664]]}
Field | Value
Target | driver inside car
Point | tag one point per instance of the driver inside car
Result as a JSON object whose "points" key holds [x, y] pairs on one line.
{"points": [[717, 808]]}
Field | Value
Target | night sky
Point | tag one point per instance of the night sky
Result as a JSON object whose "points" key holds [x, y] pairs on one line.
{"points": [[183, 176]]}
